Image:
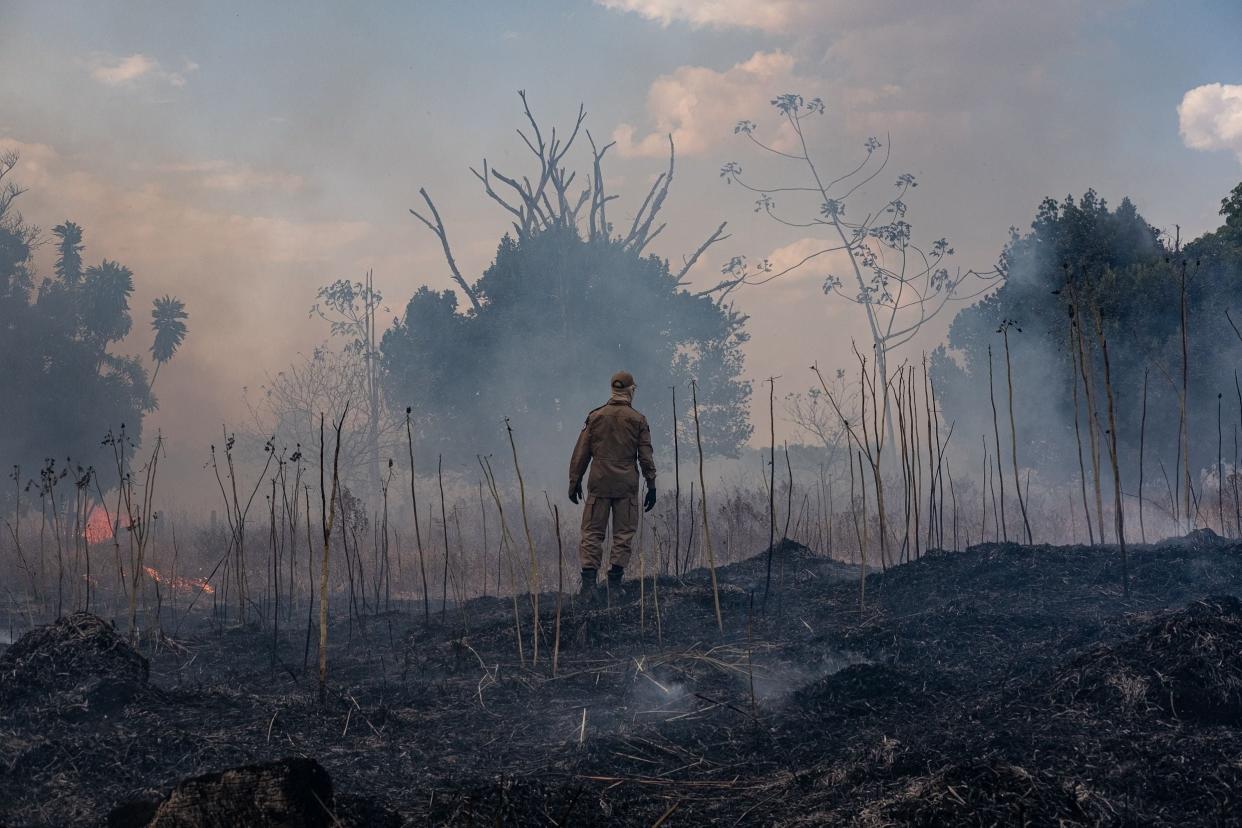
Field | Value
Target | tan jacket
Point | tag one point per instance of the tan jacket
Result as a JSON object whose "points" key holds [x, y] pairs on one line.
{"points": [[614, 437]]}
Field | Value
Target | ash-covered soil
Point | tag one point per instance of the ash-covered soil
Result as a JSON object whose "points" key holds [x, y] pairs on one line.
{"points": [[1000, 685]]}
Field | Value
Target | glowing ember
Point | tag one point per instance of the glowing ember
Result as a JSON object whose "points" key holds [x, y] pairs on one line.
{"points": [[98, 527], [178, 583]]}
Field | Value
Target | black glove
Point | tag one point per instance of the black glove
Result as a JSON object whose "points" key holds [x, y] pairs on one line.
{"points": [[575, 492], [649, 501]]}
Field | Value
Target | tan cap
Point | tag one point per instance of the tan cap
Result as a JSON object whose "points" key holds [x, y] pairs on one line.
{"points": [[622, 379]]}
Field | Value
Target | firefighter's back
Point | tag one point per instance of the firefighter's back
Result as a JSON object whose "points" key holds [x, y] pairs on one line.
{"points": [[616, 430]]}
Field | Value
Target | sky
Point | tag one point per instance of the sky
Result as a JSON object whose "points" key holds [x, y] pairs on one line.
{"points": [[239, 155]]}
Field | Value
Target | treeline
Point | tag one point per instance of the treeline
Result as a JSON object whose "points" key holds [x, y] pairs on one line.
{"points": [[63, 384], [1086, 275]]}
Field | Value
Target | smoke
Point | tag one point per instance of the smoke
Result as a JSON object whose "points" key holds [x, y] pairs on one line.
{"points": [[1124, 283], [774, 684], [248, 182]]}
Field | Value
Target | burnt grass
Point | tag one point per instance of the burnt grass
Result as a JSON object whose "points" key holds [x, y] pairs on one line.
{"points": [[1004, 684]]}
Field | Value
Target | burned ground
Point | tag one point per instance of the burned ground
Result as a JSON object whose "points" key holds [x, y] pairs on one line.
{"points": [[76, 668], [1003, 684]]}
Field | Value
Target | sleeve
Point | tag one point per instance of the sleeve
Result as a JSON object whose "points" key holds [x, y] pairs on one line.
{"points": [[646, 458], [581, 457]]}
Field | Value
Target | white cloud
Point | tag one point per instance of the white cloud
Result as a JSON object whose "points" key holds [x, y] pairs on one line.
{"points": [[814, 259], [700, 106], [1210, 118], [765, 15], [806, 263], [916, 71], [127, 71], [118, 71], [817, 20]]}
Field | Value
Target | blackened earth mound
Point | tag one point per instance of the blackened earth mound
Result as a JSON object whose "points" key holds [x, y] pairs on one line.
{"points": [[1182, 665], [288, 792], [77, 665]]}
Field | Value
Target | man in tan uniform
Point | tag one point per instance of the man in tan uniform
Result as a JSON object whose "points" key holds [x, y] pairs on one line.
{"points": [[615, 441]]}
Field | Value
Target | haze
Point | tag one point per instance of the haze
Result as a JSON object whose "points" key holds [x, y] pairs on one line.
{"points": [[241, 156]]}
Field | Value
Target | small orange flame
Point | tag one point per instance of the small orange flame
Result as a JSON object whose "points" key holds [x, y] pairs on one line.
{"points": [[178, 583], [98, 527]]}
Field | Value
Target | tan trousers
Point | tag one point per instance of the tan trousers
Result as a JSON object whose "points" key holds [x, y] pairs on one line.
{"points": [[624, 511]]}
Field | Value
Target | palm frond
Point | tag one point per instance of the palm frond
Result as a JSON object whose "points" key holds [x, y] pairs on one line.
{"points": [[168, 321]]}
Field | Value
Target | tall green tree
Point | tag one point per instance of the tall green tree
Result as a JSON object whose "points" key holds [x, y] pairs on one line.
{"points": [[569, 299], [168, 322], [558, 315], [62, 383], [1116, 262], [69, 246]]}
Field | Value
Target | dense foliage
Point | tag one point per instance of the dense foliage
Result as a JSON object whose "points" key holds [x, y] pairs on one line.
{"points": [[559, 314], [65, 385], [1113, 261]]}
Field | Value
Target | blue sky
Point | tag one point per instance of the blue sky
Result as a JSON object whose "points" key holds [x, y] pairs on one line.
{"points": [[241, 154]]}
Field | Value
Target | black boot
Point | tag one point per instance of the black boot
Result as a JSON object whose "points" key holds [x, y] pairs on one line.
{"points": [[615, 593], [587, 590]]}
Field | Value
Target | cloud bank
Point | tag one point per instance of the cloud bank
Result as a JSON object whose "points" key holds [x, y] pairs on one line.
{"points": [[700, 106], [765, 15]]}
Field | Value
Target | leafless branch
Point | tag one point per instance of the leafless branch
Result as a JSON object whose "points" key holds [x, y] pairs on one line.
{"points": [[717, 236], [442, 234], [652, 203], [485, 177]]}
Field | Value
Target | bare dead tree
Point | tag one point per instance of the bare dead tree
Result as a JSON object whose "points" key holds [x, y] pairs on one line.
{"points": [[287, 405], [560, 579], [811, 414], [237, 510], [1088, 383], [1000, 472], [676, 484], [1119, 513], [548, 198], [327, 504], [1082, 470], [707, 535], [350, 309], [1184, 399], [438, 228], [901, 286], [1233, 477], [1013, 427], [767, 585], [140, 513], [1220, 471], [444, 526], [869, 439], [418, 531], [533, 582], [506, 545], [1142, 446]]}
